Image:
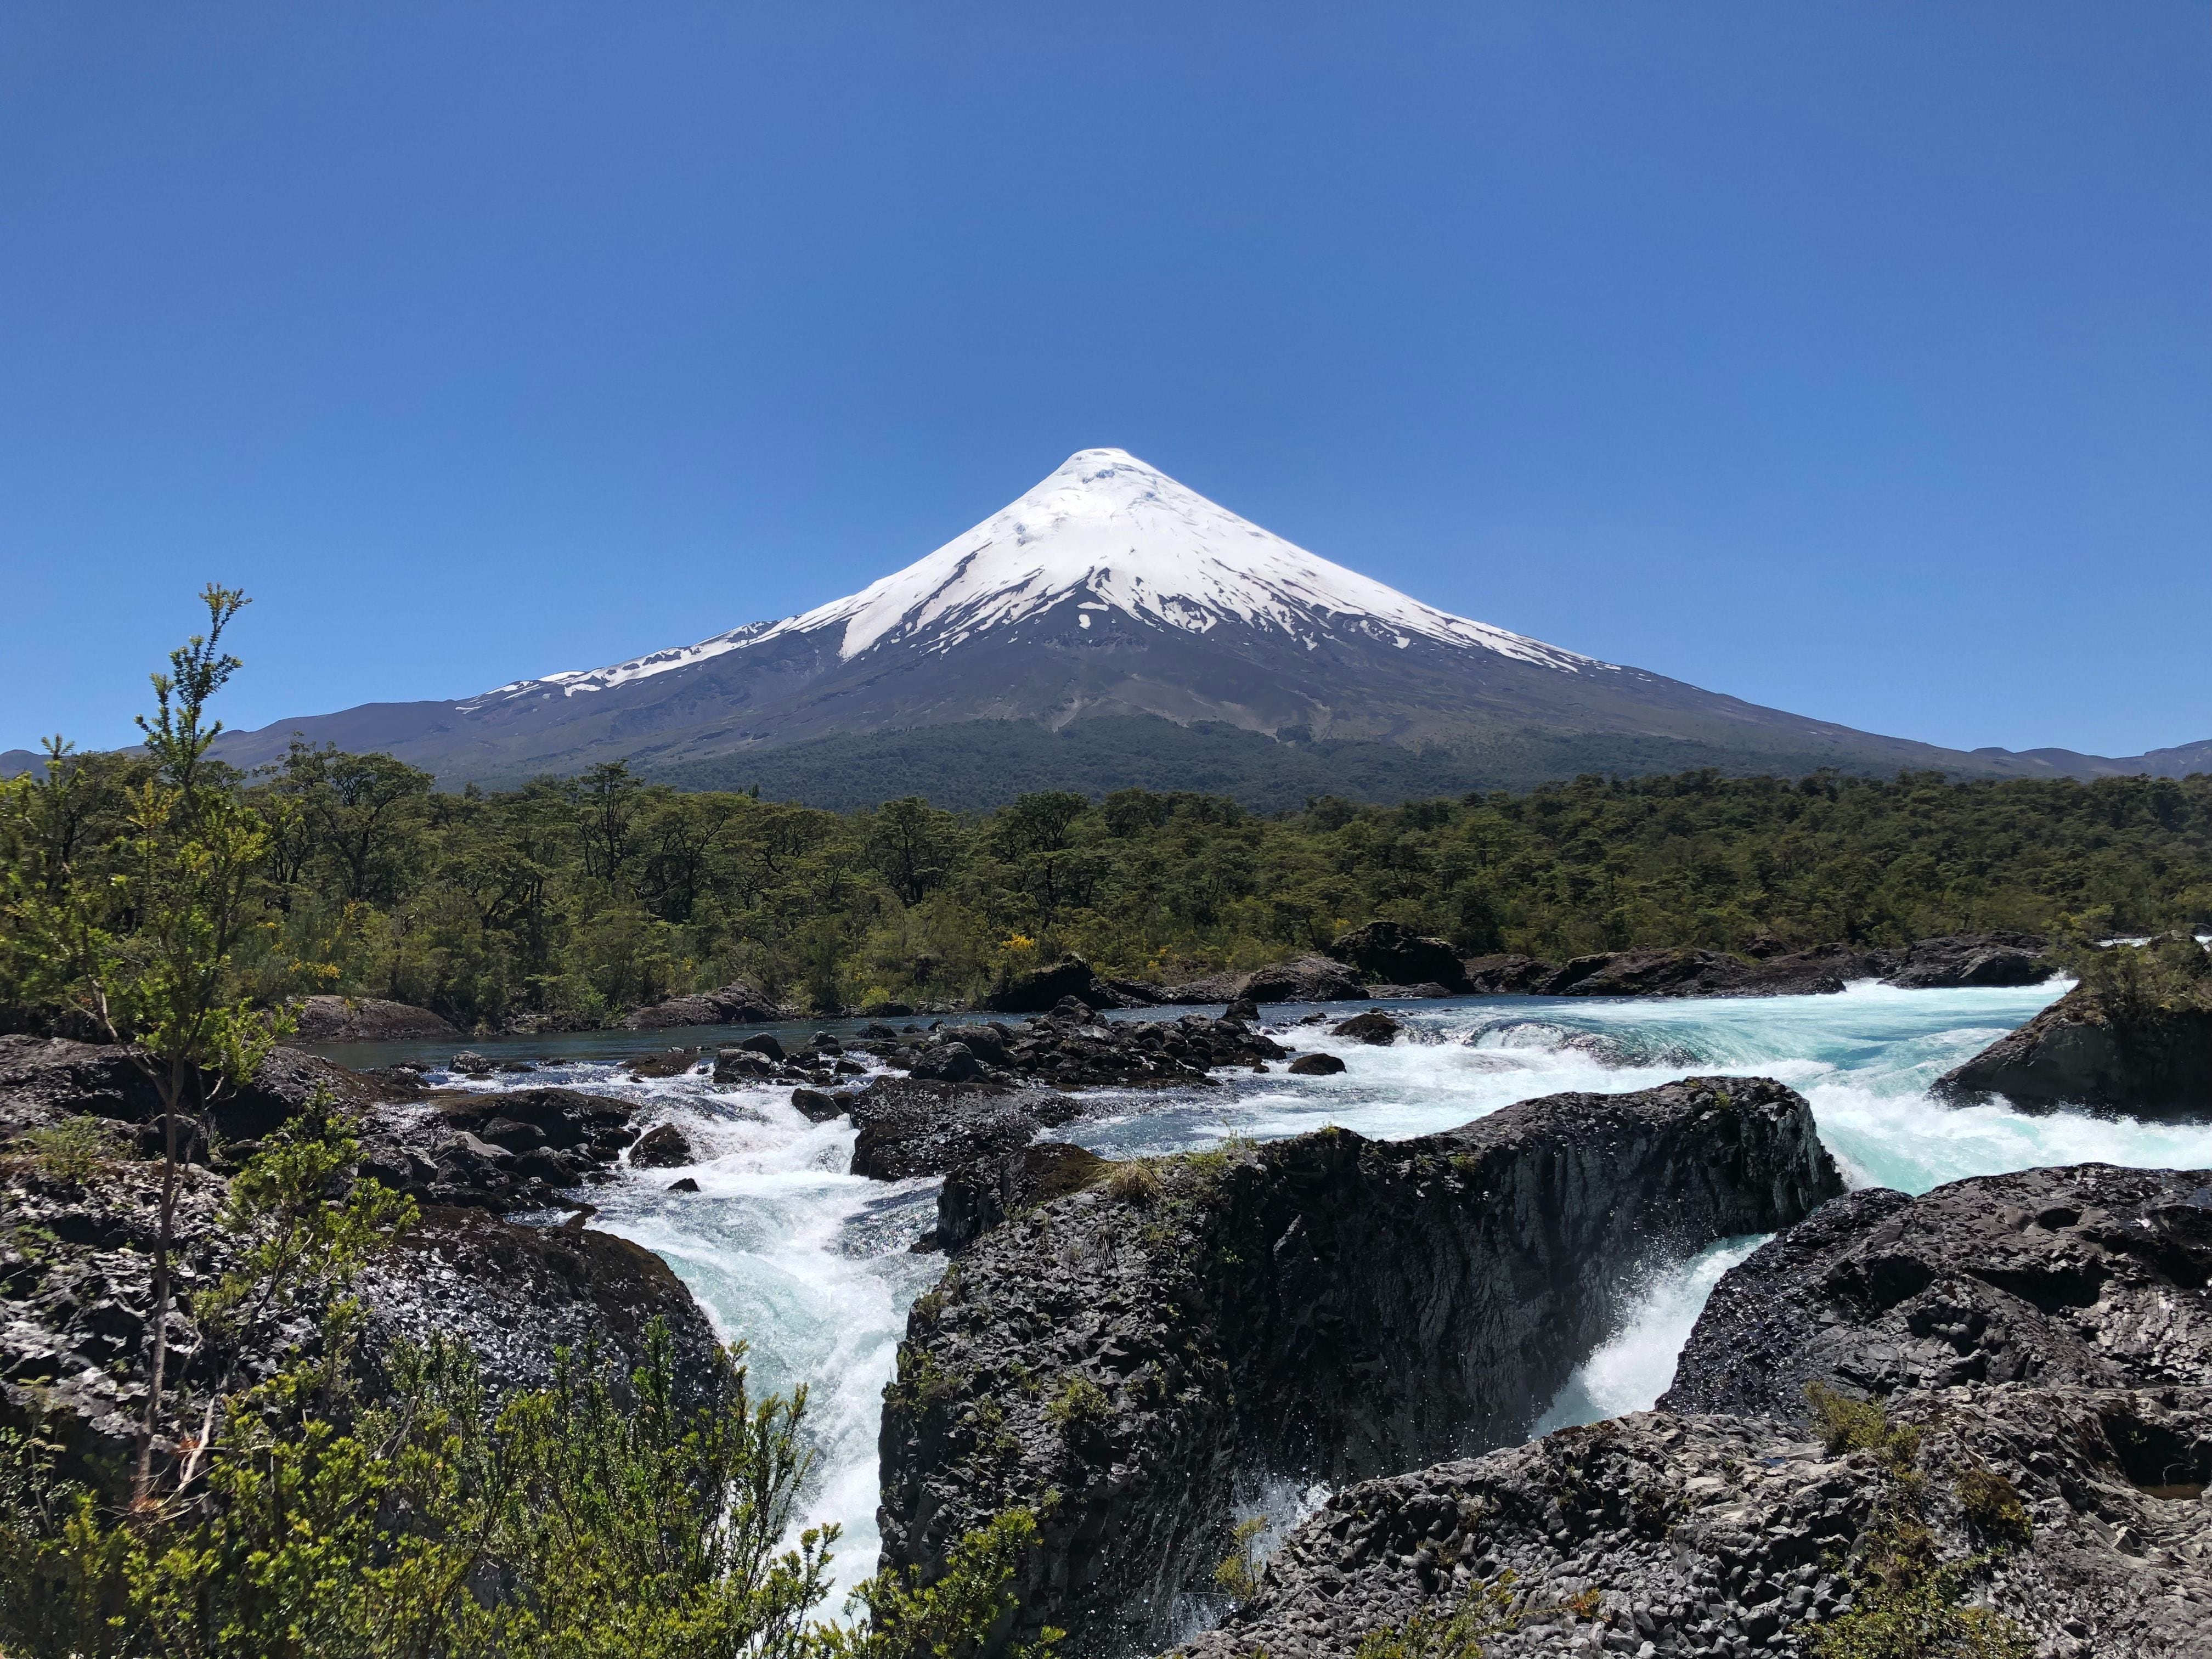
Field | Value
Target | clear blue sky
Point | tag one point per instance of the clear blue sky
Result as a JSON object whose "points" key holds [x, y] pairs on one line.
{"points": [[1853, 358]]}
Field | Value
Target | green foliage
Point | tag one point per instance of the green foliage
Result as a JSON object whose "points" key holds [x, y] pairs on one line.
{"points": [[1992, 1505], [1907, 1602], [1080, 1404], [953, 1617], [1132, 1180], [76, 1148], [1489, 1606], [2171, 973], [1237, 1575]]}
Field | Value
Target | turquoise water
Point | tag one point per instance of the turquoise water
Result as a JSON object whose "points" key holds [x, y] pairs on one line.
{"points": [[810, 1266]]}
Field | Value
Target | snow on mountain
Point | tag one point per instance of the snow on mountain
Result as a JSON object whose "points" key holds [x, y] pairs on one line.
{"points": [[1113, 534]]}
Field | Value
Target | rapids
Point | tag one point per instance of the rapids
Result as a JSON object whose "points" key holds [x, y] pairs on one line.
{"points": [[809, 1266]]}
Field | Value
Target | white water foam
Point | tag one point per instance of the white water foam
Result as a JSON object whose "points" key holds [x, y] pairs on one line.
{"points": [[810, 1265]]}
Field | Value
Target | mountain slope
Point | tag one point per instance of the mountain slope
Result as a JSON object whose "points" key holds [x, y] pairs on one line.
{"points": [[1107, 590]]}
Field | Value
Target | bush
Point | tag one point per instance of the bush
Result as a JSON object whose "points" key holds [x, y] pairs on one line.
{"points": [[1992, 1505], [76, 1148], [1080, 1404]]}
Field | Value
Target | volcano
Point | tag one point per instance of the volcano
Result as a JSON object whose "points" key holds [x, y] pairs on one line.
{"points": [[1112, 597]]}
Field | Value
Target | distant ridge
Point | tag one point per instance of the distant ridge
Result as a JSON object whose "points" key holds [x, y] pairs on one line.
{"points": [[1112, 592]]}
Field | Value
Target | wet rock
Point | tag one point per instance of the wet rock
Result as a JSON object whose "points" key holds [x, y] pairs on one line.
{"points": [[1383, 951], [366, 1019], [738, 1065], [671, 1062], [1320, 1065], [2148, 1061], [1969, 959], [2088, 1274], [1410, 992], [1689, 1534], [1677, 973], [763, 1043], [1373, 1027], [686, 1184], [469, 1063], [662, 1148], [735, 1004], [1072, 1046], [817, 1106], [1324, 1303], [1244, 1008]]}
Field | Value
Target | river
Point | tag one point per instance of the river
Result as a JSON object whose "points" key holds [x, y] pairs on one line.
{"points": [[810, 1266]]}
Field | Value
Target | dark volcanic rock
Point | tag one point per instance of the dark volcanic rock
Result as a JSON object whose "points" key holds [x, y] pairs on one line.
{"points": [[736, 1004], [44, 1078], [979, 1197], [1676, 973], [1325, 1303], [664, 1148], [1967, 959], [1508, 975], [1043, 987], [516, 1293], [2090, 1274], [2078, 1052], [1384, 951], [1321, 1064], [366, 1019], [1373, 1027], [1302, 979], [670, 1062], [817, 1107], [1072, 1047], [1718, 1535], [453, 1151], [911, 1127]]}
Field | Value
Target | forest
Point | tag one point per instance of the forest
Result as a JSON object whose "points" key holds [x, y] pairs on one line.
{"points": [[565, 903]]}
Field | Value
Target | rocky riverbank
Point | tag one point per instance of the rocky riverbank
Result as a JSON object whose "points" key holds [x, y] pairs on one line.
{"points": [[2034, 1348], [2147, 1060], [1326, 1304]]}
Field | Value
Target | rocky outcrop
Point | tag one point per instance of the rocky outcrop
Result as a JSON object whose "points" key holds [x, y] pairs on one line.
{"points": [[509, 1149], [1072, 1047], [366, 1019], [735, 1004], [1384, 952], [43, 1079], [1373, 1028], [1970, 959], [2089, 1274], [1325, 1303], [1041, 988], [980, 1196], [1507, 976], [1662, 1534], [2046, 1334], [516, 1294], [2152, 1062], [1302, 979], [916, 1126]]}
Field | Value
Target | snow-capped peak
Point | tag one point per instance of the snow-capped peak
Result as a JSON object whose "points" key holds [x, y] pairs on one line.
{"points": [[1114, 534]]}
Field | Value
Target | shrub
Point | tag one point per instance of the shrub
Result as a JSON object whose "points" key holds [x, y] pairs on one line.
{"points": [[1080, 1404], [75, 1148], [1134, 1180], [1238, 1574], [1992, 1505], [1487, 1609]]}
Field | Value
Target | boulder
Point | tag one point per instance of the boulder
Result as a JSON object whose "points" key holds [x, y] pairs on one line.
{"points": [[670, 1062], [1316, 1066], [911, 1127], [1970, 959], [815, 1106], [1508, 975], [2150, 1062], [1386, 951], [1302, 979], [430, 1151], [45, 1079], [1041, 988], [735, 1004], [366, 1019], [2088, 1274], [1374, 1027], [1323, 1303], [1673, 973], [662, 1148]]}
